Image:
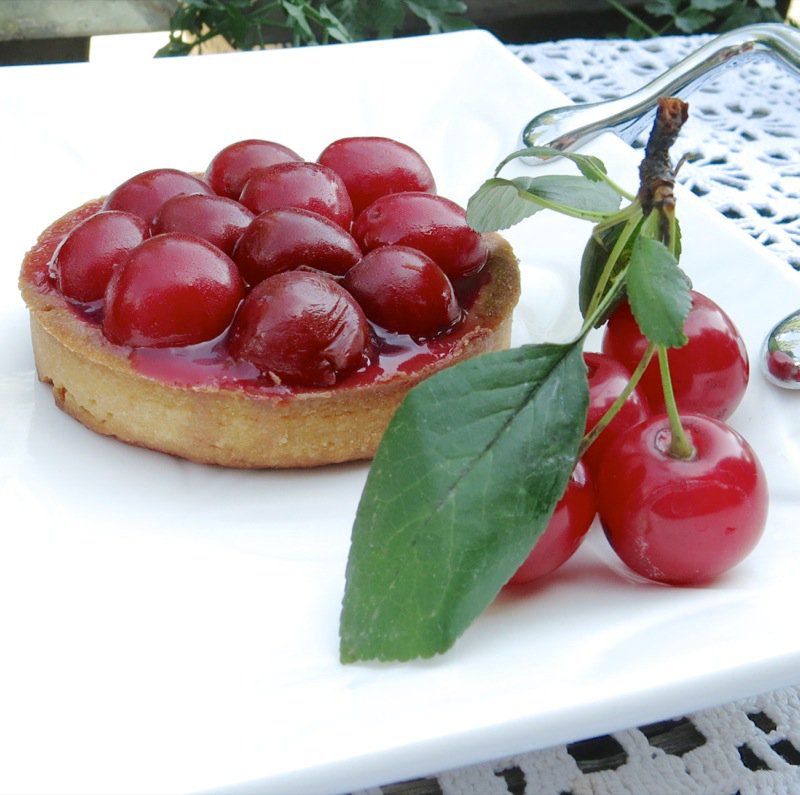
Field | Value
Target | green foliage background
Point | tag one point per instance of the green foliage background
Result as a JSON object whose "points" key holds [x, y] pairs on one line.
{"points": [[248, 24]]}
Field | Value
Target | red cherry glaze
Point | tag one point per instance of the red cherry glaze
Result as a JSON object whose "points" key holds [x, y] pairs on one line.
{"points": [[308, 186], [209, 363], [404, 291], [231, 166], [301, 328], [372, 166], [82, 264], [288, 238], [709, 374], [217, 219], [571, 520], [434, 225], [172, 290], [607, 379], [144, 194]]}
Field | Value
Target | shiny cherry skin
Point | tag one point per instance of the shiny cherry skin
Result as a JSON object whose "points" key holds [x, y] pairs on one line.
{"points": [[173, 289], [404, 291], [564, 533], [431, 223], [288, 238], [230, 167], [217, 219], [144, 193], [372, 166], [300, 328], [308, 186], [709, 374], [676, 521], [85, 259], [607, 380]]}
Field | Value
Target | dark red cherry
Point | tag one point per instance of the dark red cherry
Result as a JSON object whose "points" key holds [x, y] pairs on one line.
{"points": [[288, 238], [84, 260], [217, 219], [564, 533], [709, 374], [301, 328], [608, 378], [144, 194], [231, 166], [404, 291], [372, 166], [434, 225], [173, 289], [308, 186]]}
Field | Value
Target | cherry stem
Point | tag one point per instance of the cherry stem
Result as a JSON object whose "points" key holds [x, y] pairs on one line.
{"points": [[680, 446], [614, 408]]}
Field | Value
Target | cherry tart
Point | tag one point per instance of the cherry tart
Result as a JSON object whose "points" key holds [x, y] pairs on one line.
{"points": [[257, 316]]}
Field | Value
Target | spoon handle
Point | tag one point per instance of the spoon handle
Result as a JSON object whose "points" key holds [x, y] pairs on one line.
{"points": [[565, 128]]}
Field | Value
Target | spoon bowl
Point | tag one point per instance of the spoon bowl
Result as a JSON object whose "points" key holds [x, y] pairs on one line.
{"points": [[780, 353]]}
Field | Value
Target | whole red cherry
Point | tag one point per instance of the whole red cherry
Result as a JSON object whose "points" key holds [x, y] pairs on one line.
{"points": [[217, 219], [85, 259], [682, 521], [308, 186], [144, 193], [571, 520], [287, 238], [431, 223], [301, 328], [231, 166], [608, 378], [404, 291], [173, 289], [372, 166], [709, 374]]}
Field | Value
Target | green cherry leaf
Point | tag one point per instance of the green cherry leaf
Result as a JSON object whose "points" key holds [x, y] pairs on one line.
{"points": [[585, 197], [658, 292], [498, 204], [502, 203], [463, 483], [590, 166]]}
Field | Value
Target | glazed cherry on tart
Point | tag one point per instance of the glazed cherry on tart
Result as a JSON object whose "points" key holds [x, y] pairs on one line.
{"points": [[173, 316], [288, 237], [308, 186], [230, 168], [373, 166], [84, 260], [682, 520], [173, 289], [709, 374], [144, 194], [301, 327], [431, 223], [404, 291], [217, 219]]}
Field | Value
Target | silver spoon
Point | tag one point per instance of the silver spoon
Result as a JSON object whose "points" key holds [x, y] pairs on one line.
{"points": [[780, 353], [565, 128]]}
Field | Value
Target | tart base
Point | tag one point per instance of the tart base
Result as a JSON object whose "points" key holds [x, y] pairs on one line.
{"points": [[95, 382]]}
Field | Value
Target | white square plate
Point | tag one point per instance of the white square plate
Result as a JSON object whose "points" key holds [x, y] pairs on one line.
{"points": [[169, 628]]}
